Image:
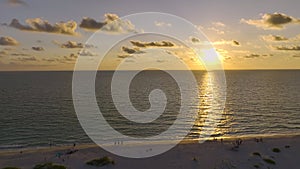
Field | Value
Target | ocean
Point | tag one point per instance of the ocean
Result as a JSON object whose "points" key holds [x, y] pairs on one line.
{"points": [[36, 108]]}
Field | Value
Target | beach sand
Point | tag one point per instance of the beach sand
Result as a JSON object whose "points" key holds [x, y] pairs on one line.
{"points": [[208, 155]]}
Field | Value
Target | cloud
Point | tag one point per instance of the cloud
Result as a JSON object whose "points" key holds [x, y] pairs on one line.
{"points": [[19, 54], [3, 53], [221, 42], [218, 24], [160, 61], [86, 53], [123, 56], [128, 50], [71, 44], [91, 24], [50, 60], [111, 24], [71, 57], [226, 42], [236, 42], [16, 2], [40, 25], [274, 38], [251, 56], [218, 31], [25, 59], [37, 48], [162, 24], [195, 40], [8, 41], [272, 21], [296, 56], [131, 50], [288, 48], [152, 44]]}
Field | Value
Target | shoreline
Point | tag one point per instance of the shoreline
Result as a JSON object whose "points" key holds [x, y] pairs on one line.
{"points": [[187, 154], [187, 141]]}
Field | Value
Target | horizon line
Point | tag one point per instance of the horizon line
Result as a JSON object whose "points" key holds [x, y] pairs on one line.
{"points": [[108, 70]]}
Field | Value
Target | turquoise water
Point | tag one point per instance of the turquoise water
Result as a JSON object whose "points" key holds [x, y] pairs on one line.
{"points": [[36, 108]]}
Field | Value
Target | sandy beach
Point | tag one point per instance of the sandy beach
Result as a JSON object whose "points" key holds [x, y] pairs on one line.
{"points": [[271, 152]]}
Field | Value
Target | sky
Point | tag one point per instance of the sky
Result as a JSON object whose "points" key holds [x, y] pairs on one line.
{"points": [[52, 35]]}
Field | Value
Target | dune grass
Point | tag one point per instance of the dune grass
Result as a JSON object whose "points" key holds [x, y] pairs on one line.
{"points": [[10, 168]]}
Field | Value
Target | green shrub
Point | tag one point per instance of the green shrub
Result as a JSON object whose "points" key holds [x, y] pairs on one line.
{"points": [[101, 161], [276, 150], [256, 154], [49, 166], [267, 160], [256, 166]]}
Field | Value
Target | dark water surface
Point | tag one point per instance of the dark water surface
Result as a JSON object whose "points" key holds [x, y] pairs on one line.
{"points": [[37, 108]]}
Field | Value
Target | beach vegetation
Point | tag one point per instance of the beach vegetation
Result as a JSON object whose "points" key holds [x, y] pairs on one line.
{"points": [[269, 161], [256, 166], [49, 166], [101, 161], [276, 150], [10, 168], [256, 154]]}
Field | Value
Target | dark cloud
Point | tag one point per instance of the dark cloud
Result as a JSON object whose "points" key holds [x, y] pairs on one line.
{"points": [[37, 48], [40, 25], [152, 44], [16, 2], [71, 44], [224, 42], [195, 40], [288, 48], [91, 24], [131, 50], [296, 56], [8, 41], [272, 21], [123, 56], [128, 50], [274, 38], [251, 56], [236, 43], [111, 24]]}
